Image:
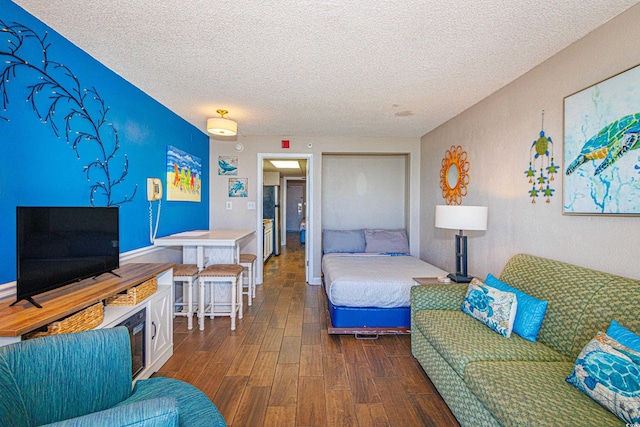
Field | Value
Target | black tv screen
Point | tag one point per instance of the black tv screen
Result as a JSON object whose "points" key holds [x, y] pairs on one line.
{"points": [[60, 245]]}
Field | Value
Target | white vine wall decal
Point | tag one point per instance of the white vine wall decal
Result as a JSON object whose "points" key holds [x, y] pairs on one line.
{"points": [[57, 98]]}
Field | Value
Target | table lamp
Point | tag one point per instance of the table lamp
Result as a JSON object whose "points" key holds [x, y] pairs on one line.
{"points": [[461, 218]]}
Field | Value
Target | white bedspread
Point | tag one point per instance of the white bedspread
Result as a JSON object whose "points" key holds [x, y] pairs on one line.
{"points": [[372, 280]]}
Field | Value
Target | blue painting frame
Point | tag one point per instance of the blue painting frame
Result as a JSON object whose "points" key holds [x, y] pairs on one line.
{"points": [[601, 147]]}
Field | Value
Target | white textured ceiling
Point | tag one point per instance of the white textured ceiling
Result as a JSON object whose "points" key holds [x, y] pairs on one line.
{"points": [[323, 67]]}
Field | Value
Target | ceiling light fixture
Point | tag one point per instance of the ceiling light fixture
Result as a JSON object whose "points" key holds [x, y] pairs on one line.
{"points": [[222, 126], [285, 164]]}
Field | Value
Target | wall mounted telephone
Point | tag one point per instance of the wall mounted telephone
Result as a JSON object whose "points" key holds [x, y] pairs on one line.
{"points": [[154, 189], [154, 192]]}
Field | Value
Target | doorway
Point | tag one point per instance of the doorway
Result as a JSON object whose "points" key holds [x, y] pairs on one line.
{"points": [[307, 208], [294, 200]]}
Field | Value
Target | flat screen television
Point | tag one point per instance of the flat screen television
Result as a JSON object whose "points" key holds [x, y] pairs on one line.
{"points": [[59, 245]]}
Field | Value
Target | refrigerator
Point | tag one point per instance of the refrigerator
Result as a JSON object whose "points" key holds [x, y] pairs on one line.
{"points": [[271, 210]]}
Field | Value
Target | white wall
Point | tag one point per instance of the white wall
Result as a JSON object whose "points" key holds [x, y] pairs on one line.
{"points": [[363, 191], [242, 218], [498, 132]]}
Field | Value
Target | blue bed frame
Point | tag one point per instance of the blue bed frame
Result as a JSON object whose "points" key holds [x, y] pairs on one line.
{"points": [[367, 321]]}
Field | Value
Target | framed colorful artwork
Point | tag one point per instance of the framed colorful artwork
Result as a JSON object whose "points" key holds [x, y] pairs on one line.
{"points": [[601, 138], [238, 187], [184, 175], [228, 165]]}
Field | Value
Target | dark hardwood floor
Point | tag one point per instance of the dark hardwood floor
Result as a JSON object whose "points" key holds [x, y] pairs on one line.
{"points": [[281, 368]]}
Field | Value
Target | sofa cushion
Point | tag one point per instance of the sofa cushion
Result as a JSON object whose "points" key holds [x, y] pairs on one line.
{"points": [[609, 373], [12, 407], [534, 393], [581, 301], [493, 307], [530, 313], [72, 368], [160, 412], [195, 408], [460, 339]]}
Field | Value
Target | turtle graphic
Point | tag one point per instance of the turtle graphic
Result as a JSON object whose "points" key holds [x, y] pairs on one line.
{"points": [[480, 300], [612, 142], [614, 372]]}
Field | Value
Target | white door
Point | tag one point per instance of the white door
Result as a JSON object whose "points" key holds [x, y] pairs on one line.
{"points": [[160, 324], [295, 205]]}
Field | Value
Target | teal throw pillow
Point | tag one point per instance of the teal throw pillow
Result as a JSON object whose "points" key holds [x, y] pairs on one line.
{"points": [[609, 373], [624, 336], [530, 312], [494, 308]]}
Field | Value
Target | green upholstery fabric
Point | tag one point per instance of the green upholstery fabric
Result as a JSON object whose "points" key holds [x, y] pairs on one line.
{"points": [[582, 301], [437, 297], [534, 394], [149, 413], [465, 359], [195, 407], [466, 407], [80, 379], [460, 339]]}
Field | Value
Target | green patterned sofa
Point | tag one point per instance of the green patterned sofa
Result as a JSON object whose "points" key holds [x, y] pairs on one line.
{"points": [[489, 380]]}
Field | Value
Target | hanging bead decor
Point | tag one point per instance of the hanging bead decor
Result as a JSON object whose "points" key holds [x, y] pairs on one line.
{"points": [[541, 163]]}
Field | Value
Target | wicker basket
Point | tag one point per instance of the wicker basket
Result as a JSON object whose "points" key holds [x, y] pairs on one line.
{"points": [[133, 296], [83, 320]]}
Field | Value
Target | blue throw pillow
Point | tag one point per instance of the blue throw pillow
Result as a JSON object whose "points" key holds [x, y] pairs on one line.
{"points": [[609, 373], [624, 336], [530, 311]]}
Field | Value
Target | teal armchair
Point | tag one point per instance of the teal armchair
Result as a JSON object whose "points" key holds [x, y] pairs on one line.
{"points": [[84, 379]]}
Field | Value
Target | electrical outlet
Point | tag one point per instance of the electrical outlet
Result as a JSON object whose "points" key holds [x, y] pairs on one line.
{"points": [[229, 206], [251, 206]]}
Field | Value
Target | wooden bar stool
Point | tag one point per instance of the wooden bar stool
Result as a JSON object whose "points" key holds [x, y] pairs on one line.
{"points": [[187, 274], [220, 273], [248, 262]]}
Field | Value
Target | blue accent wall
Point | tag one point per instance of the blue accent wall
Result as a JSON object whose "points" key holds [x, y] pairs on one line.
{"points": [[38, 168]]}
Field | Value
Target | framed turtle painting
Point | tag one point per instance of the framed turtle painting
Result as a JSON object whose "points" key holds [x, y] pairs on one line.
{"points": [[601, 141]]}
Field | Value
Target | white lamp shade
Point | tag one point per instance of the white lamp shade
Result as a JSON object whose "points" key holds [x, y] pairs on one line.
{"points": [[461, 217], [222, 126]]}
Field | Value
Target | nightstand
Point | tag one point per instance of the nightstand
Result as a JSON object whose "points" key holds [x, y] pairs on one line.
{"points": [[427, 280]]}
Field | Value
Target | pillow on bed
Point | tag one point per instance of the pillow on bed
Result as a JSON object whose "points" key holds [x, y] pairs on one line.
{"points": [[386, 241], [342, 241]]}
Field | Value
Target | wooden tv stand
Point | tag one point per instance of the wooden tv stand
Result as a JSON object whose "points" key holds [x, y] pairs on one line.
{"points": [[24, 317]]}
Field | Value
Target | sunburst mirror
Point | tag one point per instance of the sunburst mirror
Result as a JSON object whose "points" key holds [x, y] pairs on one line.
{"points": [[454, 175]]}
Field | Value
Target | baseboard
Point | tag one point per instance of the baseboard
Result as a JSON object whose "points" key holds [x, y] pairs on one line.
{"points": [[129, 255], [316, 281], [8, 291]]}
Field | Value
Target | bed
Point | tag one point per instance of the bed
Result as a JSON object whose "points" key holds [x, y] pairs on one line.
{"points": [[367, 276]]}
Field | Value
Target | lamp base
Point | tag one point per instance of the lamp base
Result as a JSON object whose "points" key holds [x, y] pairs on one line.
{"points": [[459, 278]]}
